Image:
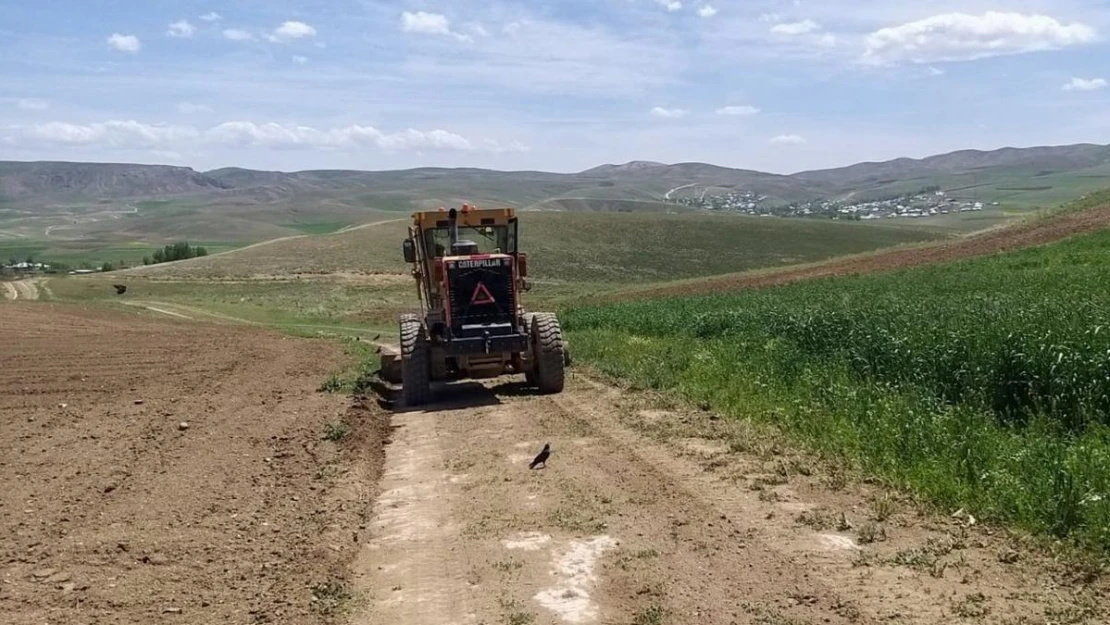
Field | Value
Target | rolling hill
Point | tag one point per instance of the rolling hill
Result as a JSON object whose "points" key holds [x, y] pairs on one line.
{"points": [[40, 182], [578, 247], [59, 181], [65, 209]]}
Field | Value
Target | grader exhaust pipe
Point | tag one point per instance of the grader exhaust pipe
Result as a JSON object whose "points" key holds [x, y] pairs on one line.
{"points": [[453, 224]]}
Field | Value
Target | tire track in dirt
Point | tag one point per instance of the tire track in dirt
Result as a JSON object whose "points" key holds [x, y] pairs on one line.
{"points": [[9, 291], [27, 289], [647, 514]]}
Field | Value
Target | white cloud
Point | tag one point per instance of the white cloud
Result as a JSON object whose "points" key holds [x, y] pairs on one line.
{"points": [[795, 28], [787, 140], [288, 31], [211, 17], [190, 108], [350, 137], [476, 28], [666, 113], [427, 23], [743, 111], [935, 71], [707, 10], [549, 56], [181, 29], [168, 137], [112, 134], [770, 17], [32, 104], [168, 155], [433, 24], [125, 43], [235, 34], [962, 37], [1085, 84], [670, 5], [300, 60]]}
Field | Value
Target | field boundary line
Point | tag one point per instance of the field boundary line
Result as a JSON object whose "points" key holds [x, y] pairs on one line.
{"points": [[166, 308], [177, 263]]}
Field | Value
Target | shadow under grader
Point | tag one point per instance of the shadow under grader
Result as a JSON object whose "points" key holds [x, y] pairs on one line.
{"points": [[450, 396], [446, 397]]}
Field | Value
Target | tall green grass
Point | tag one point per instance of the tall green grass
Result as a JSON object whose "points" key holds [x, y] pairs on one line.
{"points": [[983, 384]]}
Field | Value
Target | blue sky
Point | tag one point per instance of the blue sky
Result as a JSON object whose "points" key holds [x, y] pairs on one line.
{"points": [[774, 85]]}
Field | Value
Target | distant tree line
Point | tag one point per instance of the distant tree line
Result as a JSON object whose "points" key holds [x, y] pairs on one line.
{"points": [[176, 251]]}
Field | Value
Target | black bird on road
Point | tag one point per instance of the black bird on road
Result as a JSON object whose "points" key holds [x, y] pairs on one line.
{"points": [[542, 458]]}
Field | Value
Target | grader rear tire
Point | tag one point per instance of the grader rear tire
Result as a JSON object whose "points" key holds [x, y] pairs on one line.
{"points": [[415, 369], [547, 346]]}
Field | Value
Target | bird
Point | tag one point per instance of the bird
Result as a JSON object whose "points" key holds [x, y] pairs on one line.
{"points": [[542, 457]]}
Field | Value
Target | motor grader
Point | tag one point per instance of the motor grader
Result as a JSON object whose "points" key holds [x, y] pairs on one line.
{"points": [[471, 325]]}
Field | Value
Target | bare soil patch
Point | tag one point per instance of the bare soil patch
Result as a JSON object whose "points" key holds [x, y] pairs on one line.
{"points": [[653, 513], [157, 470]]}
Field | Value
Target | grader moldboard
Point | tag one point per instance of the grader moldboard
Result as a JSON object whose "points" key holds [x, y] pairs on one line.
{"points": [[469, 277]]}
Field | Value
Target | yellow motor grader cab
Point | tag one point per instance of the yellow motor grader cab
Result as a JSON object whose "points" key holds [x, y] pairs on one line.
{"points": [[469, 278]]}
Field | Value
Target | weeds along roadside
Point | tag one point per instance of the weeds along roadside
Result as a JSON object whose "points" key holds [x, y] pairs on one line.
{"points": [[984, 384]]}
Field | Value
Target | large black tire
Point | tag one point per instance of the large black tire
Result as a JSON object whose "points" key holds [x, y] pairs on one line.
{"points": [[416, 388], [547, 349]]}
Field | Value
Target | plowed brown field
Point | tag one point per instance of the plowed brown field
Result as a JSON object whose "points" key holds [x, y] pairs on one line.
{"points": [[160, 471]]}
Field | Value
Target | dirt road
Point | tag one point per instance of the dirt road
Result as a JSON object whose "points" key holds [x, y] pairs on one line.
{"points": [[156, 470], [21, 289], [650, 515], [201, 260]]}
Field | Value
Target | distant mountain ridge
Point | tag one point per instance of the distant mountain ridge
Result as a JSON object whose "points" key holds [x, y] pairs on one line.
{"points": [[1023, 169], [59, 178]]}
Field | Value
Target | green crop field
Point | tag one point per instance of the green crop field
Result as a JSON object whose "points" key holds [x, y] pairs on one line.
{"points": [[984, 384], [77, 253], [338, 306], [582, 248]]}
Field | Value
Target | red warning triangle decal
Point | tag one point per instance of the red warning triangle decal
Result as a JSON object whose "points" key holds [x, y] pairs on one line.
{"points": [[481, 296]]}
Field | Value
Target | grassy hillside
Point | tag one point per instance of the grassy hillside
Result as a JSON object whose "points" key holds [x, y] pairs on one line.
{"points": [[983, 384], [346, 305], [77, 210], [1020, 177], [613, 248]]}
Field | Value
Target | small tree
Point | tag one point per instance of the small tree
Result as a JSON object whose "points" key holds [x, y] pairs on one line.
{"points": [[146, 260], [107, 266]]}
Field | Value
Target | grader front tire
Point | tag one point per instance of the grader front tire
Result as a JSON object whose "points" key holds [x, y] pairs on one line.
{"points": [[415, 368], [547, 345]]}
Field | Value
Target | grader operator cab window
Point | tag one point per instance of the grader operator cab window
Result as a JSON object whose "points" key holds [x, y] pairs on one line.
{"points": [[486, 239]]}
